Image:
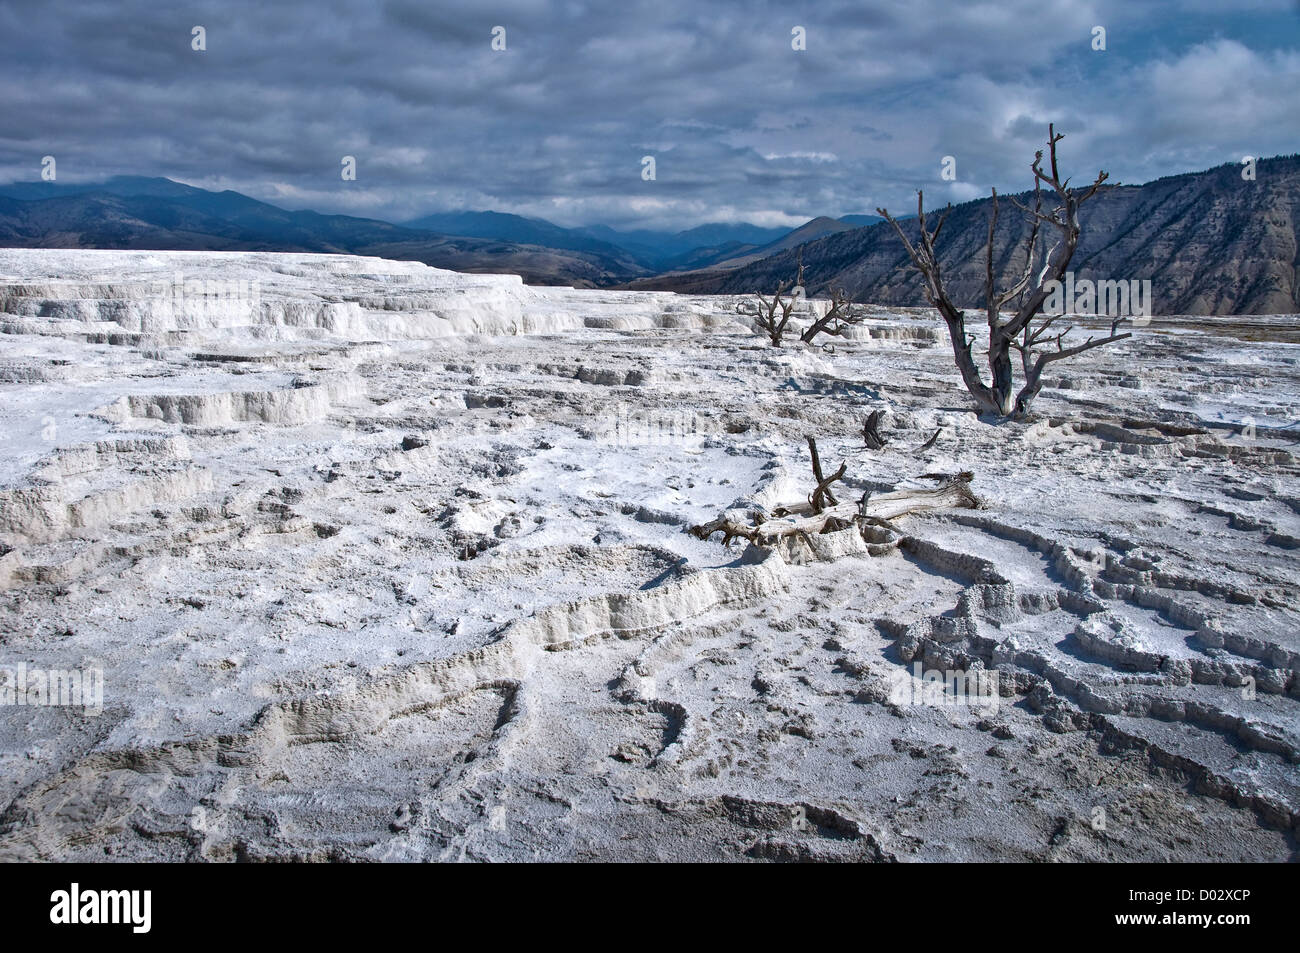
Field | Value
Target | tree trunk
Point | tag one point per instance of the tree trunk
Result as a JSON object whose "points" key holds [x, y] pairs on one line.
{"points": [[984, 396], [1003, 375]]}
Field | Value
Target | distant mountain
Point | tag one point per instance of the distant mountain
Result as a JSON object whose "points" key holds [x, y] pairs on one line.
{"points": [[707, 257], [720, 233], [807, 232], [861, 221], [1210, 242], [648, 249], [660, 247], [131, 212], [140, 212], [502, 226], [117, 185], [734, 254]]}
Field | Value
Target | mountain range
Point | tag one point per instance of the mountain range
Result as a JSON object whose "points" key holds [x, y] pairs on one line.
{"points": [[1211, 242], [135, 212], [130, 212]]}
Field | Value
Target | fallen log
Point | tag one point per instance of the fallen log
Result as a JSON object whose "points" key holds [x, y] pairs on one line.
{"points": [[800, 519]]}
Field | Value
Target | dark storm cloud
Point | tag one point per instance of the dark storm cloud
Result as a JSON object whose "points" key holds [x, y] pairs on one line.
{"points": [[741, 125]]}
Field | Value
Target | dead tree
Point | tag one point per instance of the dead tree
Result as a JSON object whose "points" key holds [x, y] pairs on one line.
{"points": [[841, 314], [764, 313], [821, 494], [1027, 330]]}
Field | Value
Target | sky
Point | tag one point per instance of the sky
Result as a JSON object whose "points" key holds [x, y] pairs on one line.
{"points": [[742, 126]]}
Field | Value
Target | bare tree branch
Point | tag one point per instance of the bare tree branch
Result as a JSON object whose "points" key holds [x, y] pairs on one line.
{"points": [[841, 315]]}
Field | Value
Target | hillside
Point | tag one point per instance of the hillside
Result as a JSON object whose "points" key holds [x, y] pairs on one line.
{"points": [[1210, 242]]}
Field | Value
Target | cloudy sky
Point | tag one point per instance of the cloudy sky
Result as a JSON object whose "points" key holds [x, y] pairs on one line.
{"points": [[742, 126]]}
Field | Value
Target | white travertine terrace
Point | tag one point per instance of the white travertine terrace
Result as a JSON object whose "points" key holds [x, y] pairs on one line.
{"points": [[385, 562]]}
